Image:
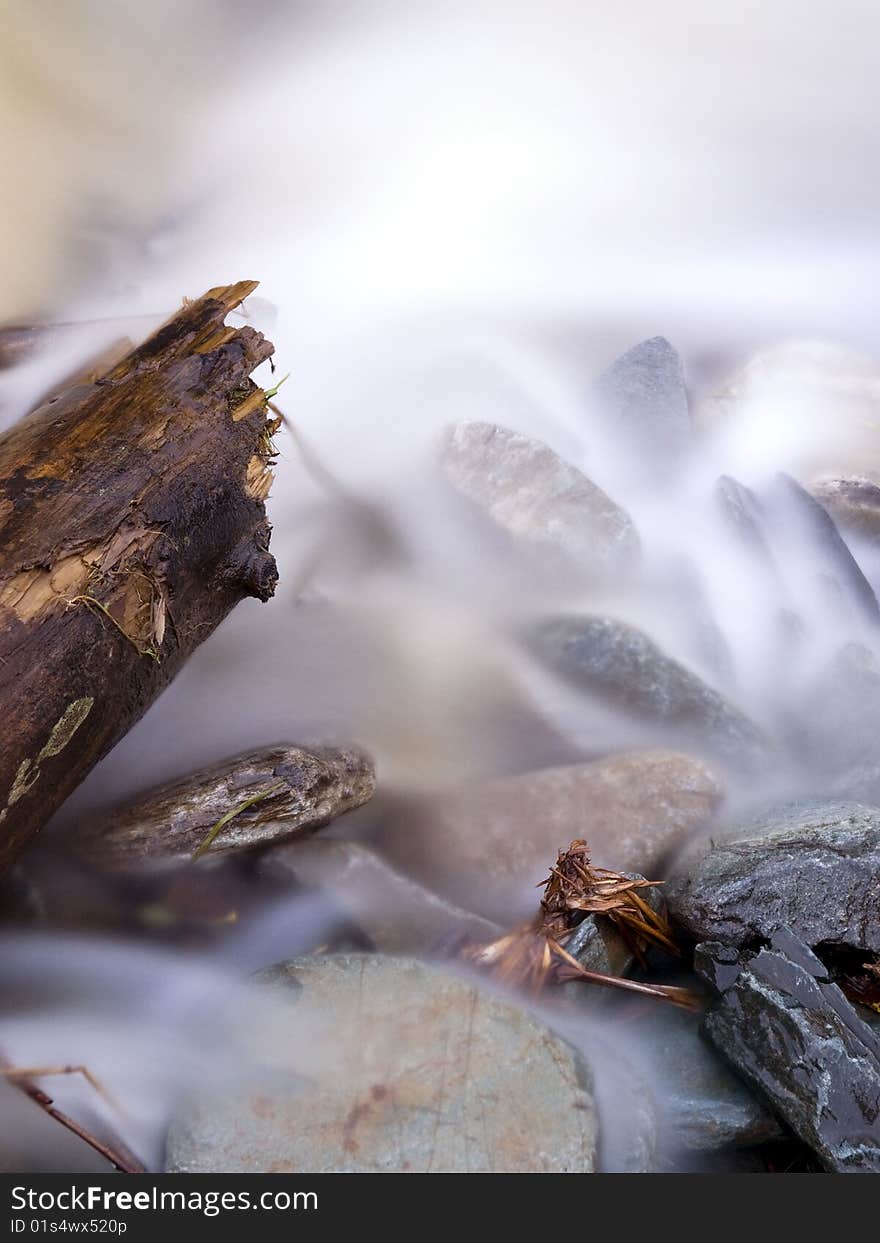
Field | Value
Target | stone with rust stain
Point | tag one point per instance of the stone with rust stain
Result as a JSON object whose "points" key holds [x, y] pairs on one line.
{"points": [[365, 1064], [290, 790], [487, 846]]}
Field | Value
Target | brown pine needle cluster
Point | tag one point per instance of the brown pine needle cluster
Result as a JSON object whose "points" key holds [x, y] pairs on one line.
{"points": [[533, 956], [864, 987]]}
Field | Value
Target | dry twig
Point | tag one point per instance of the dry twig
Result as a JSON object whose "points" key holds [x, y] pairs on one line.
{"points": [[22, 1078]]}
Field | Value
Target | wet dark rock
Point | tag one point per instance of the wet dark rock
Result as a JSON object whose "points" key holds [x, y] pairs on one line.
{"points": [[396, 914], [796, 1039], [268, 795], [644, 401], [621, 666], [362, 1064], [811, 867], [853, 503], [706, 1106], [487, 846], [538, 498], [717, 964]]}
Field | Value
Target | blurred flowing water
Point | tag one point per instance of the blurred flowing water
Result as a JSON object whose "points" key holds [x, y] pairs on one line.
{"points": [[457, 211]]}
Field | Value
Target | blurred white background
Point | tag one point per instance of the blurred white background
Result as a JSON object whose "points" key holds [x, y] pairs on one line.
{"points": [[701, 164]]}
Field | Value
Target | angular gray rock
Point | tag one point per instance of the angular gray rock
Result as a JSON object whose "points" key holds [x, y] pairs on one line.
{"points": [[746, 520], [812, 526], [488, 846], [813, 868], [853, 503], [621, 666], [644, 400], [267, 795], [369, 1064], [537, 497], [706, 1107], [798, 1040], [396, 914]]}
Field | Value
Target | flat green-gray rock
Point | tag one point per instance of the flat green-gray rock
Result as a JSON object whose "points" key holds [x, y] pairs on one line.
{"points": [[366, 1064]]}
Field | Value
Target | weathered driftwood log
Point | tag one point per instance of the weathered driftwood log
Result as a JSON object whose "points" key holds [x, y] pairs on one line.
{"points": [[252, 800], [131, 521]]}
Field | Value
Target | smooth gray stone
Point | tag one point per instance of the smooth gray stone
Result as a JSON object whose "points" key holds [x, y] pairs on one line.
{"points": [[810, 867], [398, 915], [620, 665], [707, 1108], [538, 498], [798, 1040], [488, 845], [366, 1064], [815, 526], [746, 519], [644, 400]]}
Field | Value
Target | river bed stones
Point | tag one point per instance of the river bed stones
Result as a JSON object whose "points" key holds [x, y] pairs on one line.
{"points": [[538, 498], [853, 503], [643, 399], [619, 665], [705, 1106], [801, 1044], [806, 524], [488, 846], [366, 1064], [262, 797], [396, 914], [812, 868]]}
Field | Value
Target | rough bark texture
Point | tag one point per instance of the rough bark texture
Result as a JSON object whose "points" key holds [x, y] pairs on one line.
{"points": [[131, 521]]}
